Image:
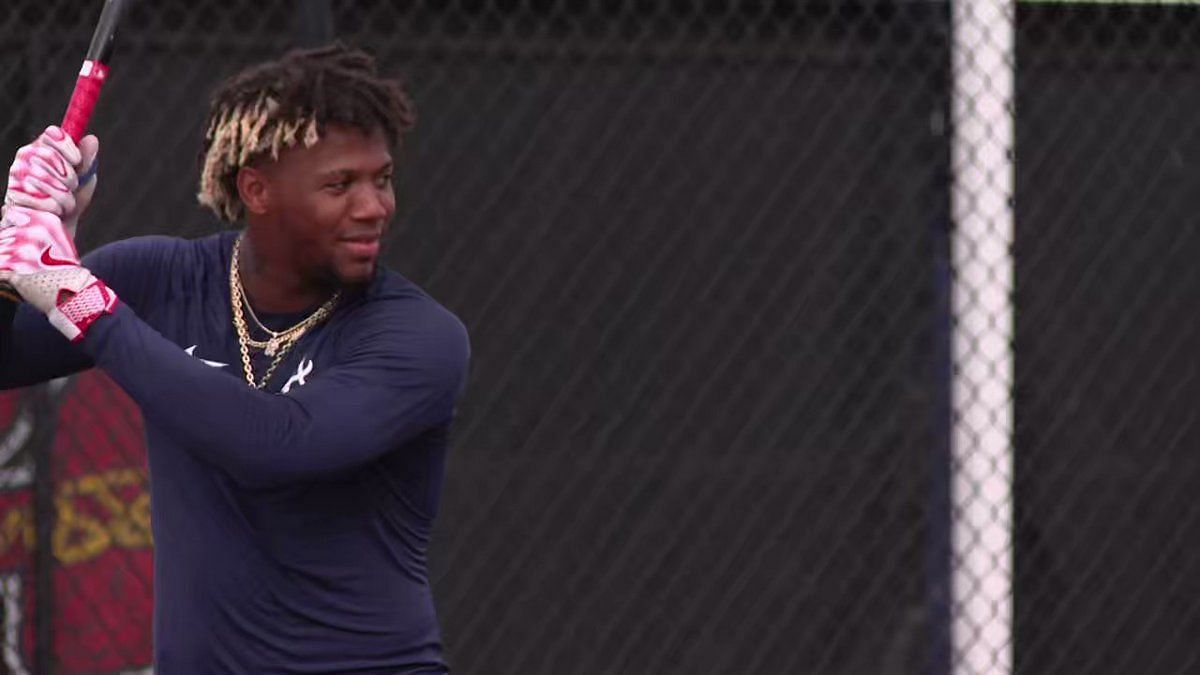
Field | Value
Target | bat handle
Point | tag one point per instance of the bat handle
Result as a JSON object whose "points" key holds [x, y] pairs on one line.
{"points": [[83, 99]]}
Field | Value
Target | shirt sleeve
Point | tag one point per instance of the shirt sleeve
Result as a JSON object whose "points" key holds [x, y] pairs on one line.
{"points": [[397, 381], [32, 351]]}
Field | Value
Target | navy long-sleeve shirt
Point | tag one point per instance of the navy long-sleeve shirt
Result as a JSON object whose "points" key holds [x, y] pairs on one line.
{"points": [[290, 524]]}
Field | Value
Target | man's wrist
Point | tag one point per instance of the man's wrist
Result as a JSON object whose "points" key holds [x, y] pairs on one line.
{"points": [[73, 317]]}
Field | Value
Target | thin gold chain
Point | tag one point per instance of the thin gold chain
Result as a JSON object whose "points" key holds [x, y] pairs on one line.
{"points": [[278, 338], [281, 342], [254, 317]]}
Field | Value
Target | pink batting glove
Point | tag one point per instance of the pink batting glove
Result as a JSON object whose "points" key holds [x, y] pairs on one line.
{"points": [[38, 259], [35, 243], [45, 175]]}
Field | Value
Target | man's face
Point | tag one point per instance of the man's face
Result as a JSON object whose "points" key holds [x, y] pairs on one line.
{"points": [[332, 202]]}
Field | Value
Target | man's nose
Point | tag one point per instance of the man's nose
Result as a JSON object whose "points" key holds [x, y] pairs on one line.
{"points": [[371, 204]]}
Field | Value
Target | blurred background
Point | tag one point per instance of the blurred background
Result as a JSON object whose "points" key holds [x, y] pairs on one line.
{"points": [[711, 254]]}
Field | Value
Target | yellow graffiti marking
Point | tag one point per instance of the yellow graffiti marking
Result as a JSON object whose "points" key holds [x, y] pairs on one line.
{"points": [[16, 528], [79, 533]]}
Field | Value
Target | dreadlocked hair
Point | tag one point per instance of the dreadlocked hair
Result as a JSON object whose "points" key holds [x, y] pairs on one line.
{"points": [[286, 103]]}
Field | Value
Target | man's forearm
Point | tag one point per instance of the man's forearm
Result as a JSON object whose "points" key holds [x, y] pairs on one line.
{"points": [[31, 351], [8, 313], [262, 438]]}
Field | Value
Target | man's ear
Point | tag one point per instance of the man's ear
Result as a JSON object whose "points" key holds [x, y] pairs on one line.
{"points": [[255, 190]]}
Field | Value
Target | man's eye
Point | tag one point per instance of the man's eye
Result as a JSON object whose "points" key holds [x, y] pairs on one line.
{"points": [[383, 181], [340, 186]]}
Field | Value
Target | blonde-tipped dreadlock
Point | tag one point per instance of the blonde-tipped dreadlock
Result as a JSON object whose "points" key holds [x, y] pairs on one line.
{"points": [[282, 104]]}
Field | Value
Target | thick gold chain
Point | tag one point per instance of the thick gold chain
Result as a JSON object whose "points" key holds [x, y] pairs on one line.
{"points": [[281, 342]]}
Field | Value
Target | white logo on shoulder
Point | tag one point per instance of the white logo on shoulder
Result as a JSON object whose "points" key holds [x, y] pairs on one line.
{"points": [[191, 351], [303, 370]]}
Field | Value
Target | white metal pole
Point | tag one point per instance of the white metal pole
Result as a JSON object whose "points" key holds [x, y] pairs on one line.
{"points": [[983, 56]]}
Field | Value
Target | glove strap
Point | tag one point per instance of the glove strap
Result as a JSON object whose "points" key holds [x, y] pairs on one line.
{"points": [[73, 317]]}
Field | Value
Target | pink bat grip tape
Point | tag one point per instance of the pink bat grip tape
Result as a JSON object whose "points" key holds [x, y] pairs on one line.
{"points": [[83, 100]]}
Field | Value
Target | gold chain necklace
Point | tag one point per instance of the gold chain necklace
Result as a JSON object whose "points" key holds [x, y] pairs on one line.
{"points": [[280, 342], [257, 323], [278, 338]]}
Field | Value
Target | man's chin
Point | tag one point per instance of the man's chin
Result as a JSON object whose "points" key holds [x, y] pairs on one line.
{"points": [[358, 275]]}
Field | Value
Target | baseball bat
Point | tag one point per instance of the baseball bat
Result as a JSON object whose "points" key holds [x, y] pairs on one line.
{"points": [[94, 71], [92, 75]]}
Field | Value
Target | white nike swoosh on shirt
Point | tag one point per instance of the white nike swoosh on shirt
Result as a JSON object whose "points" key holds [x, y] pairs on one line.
{"points": [[215, 364]]}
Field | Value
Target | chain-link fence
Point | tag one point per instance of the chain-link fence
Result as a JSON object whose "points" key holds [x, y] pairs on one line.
{"points": [[1107, 186], [795, 350]]}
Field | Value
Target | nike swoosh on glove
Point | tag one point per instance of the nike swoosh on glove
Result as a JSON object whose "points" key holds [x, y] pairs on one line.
{"points": [[39, 261]]}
